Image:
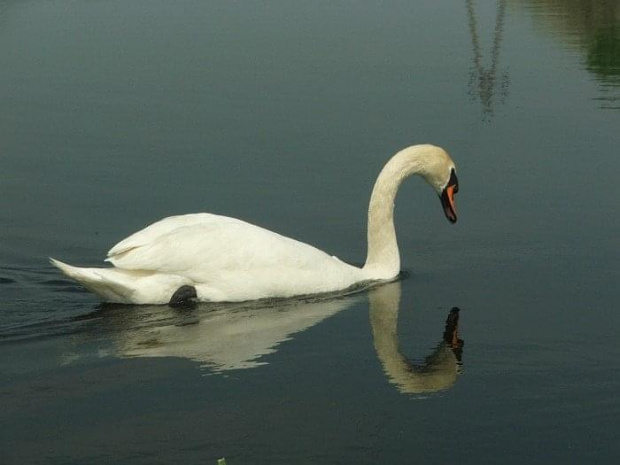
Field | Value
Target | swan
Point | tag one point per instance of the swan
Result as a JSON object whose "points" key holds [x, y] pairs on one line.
{"points": [[213, 258]]}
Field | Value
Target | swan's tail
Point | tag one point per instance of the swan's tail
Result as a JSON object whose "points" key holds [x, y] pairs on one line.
{"points": [[121, 286], [107, 283]]}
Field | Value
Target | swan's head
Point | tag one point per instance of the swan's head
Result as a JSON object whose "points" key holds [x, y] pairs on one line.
{"points": [[437, 168]]}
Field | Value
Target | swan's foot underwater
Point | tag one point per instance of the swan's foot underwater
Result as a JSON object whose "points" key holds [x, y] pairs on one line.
{"points": [[183, 295]]}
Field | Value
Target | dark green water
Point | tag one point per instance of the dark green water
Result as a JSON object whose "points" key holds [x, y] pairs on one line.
{"points": [[116, 114]]}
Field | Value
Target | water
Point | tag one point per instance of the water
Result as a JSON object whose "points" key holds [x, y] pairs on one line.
{"points": [[116, 114]]}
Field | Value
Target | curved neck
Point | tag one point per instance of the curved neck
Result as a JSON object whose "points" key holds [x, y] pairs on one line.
{"points": [[383, 259], [429, 161]]}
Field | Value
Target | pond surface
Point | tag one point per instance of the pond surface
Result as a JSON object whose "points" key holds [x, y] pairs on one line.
{"points": [[116, 114]]}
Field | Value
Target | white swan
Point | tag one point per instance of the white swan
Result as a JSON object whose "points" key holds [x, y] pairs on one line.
{"points": [[216, 258]]}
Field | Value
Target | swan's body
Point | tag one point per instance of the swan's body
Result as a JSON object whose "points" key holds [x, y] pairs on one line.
{"points": [[226, 259]]}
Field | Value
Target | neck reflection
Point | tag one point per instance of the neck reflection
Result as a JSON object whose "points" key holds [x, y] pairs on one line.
{"points": [[439, 370]]}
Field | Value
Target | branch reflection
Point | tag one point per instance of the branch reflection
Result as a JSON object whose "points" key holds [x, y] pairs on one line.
{"points": [[440, 369]]}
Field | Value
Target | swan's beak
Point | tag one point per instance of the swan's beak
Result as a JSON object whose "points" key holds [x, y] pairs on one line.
{"points": [[447, 198]]}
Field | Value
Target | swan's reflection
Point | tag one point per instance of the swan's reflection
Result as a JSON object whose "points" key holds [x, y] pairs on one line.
{"points": [[441, 367], [232, 337], [224, 338]]}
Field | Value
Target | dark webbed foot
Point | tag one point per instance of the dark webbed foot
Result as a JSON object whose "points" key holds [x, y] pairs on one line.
{"points": [[183, 295]]}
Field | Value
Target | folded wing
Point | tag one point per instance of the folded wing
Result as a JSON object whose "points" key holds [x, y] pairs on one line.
{"points": [[200, 246]]}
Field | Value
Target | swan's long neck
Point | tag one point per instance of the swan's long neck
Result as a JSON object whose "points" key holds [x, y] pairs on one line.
{"points": [[383, 260]]}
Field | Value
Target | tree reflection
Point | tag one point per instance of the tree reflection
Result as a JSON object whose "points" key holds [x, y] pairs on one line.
{"points": [[486, 82], [604, 54], [591, 26]]}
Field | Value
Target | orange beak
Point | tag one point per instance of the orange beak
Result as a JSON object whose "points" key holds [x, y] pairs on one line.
{"points": [[447, 198], [451, 198]]}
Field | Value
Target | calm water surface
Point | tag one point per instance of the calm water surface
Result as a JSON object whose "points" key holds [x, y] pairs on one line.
{"points": [[116, 114]]}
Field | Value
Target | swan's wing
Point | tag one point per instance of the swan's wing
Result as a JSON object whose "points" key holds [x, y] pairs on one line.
{"points": [[160, 228], [203, 245]]}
